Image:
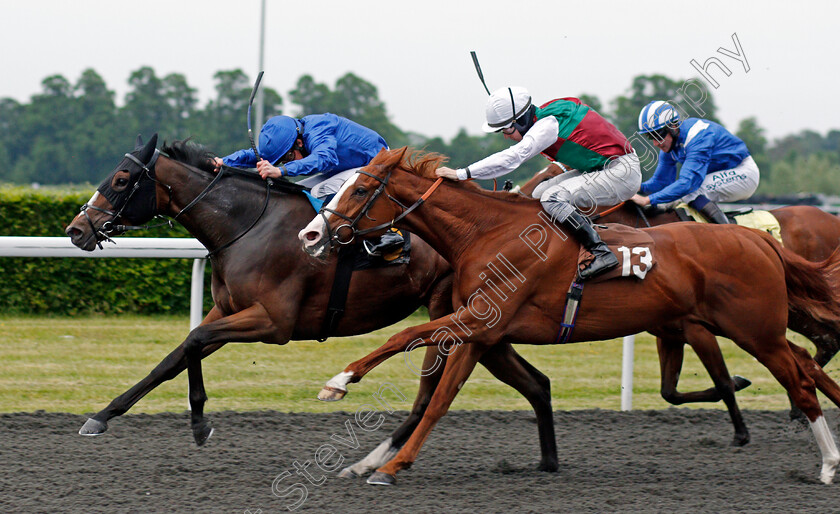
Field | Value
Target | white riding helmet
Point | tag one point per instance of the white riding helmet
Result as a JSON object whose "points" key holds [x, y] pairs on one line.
{"points": [[504, 106]]}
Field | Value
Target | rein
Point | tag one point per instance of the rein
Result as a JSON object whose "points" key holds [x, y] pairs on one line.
{"points": [[606, 212], [222, 172], [108, 227], [379, 190], [253, 224]]}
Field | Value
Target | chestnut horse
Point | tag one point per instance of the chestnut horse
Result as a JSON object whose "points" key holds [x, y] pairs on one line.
{"points": [[266, 289], [694, 282], [807, 231]]}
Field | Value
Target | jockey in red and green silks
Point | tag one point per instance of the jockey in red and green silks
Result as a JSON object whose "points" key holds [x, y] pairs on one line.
{"points": [[603, 168]]}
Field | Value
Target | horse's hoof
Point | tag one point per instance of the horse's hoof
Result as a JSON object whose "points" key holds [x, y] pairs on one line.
{"points": [[202, 433], [380, 478], [348, 473], [740, 439], [93, 427], [550, 466], [825, 477], [331, 394], [741, 382]]}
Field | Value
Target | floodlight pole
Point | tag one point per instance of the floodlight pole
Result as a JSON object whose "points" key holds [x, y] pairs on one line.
{"points": [[260, 114]]}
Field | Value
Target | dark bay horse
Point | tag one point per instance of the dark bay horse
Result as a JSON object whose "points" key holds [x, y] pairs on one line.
{"points": [[265, 288], [694, 282]]}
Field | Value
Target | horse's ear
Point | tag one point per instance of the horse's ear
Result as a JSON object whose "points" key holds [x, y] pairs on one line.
{"points": [[149, 149], [138, 143]]}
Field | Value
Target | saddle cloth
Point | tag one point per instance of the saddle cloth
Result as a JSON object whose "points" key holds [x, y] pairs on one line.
{"points": [[634, 249], [759, 220]]}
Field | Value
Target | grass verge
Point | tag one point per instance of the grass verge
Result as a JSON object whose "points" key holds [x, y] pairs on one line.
{"points": [[79, 364]]}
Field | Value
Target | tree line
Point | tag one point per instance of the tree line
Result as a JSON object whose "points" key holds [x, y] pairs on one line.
{"points": [[72, 133]]}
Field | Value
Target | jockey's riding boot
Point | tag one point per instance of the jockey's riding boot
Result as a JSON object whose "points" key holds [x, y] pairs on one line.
{"points": [[713, 213], [388, 242], [586, 235]]}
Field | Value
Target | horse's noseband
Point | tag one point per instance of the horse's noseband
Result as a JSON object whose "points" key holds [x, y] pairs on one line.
{"points": [[334, 236], [108, 228]]}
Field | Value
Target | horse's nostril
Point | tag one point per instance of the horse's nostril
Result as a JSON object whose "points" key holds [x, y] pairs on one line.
{"points": [[312, 235], [72, 232]]}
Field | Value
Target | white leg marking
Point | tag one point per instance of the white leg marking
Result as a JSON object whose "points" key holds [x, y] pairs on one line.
{"points": [[375, 459], [828, 449], [341, 380]]}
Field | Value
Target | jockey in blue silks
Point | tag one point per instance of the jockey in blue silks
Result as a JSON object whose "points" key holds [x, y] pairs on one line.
{"points": [[716, 165], [330, 147]]}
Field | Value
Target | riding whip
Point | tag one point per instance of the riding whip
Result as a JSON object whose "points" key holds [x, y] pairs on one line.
{"points": [[478, 70], [250, 104]]}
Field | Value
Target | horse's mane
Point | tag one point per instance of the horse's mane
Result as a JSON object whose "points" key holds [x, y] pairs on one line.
{"points": [[191, 153], [423, 164]]}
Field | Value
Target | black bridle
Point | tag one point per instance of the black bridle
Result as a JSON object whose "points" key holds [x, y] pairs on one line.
{"points": [[148, 172], [108, 228], [352, 222]]}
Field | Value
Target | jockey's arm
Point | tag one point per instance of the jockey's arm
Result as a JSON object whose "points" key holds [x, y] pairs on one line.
{"points": [[322, 156], [542, 135]]}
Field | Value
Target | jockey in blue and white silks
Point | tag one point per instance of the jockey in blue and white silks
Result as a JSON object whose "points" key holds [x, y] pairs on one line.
{"points": [[716, 165], [330, 146]]}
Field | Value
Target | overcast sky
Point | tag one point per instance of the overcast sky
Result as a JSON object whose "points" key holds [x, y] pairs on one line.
{"points": [[417, 53]]}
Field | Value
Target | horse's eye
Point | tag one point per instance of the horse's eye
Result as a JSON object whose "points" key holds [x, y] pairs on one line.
{"points": [[360, 191], [121, 182]]}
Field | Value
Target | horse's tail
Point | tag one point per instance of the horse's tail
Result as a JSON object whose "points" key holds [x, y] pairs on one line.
{"points": [[813, 288]]}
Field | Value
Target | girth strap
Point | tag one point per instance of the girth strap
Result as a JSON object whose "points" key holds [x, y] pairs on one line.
{"points": [[570, 311], [340, 288]]}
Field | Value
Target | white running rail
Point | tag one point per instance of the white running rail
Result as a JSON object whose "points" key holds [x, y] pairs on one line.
{"points": [[135, 247]]}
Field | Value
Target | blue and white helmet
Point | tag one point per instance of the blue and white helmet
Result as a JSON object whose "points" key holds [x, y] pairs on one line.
{"points": [[656, 116]]}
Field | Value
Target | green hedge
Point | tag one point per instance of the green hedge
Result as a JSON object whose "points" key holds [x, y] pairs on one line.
{"points": [[83, 286]]}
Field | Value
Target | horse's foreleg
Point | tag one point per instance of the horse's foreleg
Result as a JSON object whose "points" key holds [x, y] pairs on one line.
{"points": [[512, 369], [389, 447], [250, 325], [705, 346], [404, 341], [170, 367], [458, 367]]}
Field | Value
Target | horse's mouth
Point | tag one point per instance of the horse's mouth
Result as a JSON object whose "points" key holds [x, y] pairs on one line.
{"points": [[319, 249], [82, 239]]}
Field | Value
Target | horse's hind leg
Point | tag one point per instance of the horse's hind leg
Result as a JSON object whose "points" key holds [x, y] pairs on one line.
{"points": [[826, 339], [170, 367], [822, 381], [705, 346], [790, 368]]}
